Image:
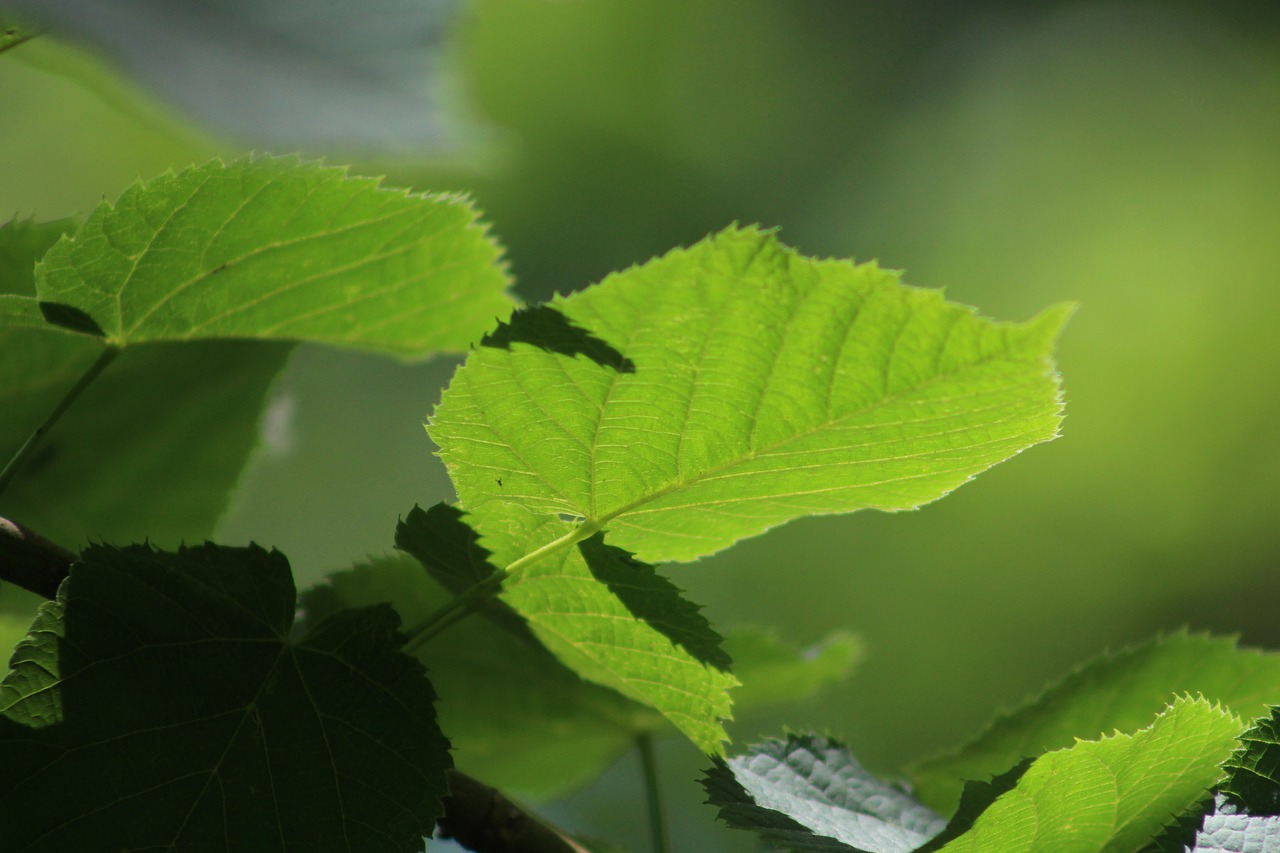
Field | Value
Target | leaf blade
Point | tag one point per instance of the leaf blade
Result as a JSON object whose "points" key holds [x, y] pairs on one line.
{"points": [[723, 389], [277, 248]]}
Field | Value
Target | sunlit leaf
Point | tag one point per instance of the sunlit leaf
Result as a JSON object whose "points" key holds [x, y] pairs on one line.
{"points": [[723, 389], [615, 621], [275, 248], [1113, 794], [1114, 692], [161, 703]]}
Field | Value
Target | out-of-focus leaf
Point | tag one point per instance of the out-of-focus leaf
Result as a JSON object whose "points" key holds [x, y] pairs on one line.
{"points": [[1115, 692], [274, 248], [14, 32], [773, 671], [518, 718], [160, 702], [723, 389], [1113, 794], [808, 793], [284, 74]]}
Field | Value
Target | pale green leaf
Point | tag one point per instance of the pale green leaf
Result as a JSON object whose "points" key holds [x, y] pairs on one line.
{"points": [[808, 793], [162, 703], [1113, 794], [280, 249], [729, 387], [517, 717], [1113, 692], [614, 621]]}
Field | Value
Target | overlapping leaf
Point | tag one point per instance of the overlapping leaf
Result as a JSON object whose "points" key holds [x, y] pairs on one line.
{"points": [[808, 793], [160, 703], [610, 619], [1113, 794], [720, 390], [274, 248], [1114, 692], [517, 717]]}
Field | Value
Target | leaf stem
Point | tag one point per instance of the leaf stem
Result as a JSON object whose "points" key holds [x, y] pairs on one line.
{"points": [[653, 794], [475, 598], [11, 470]]}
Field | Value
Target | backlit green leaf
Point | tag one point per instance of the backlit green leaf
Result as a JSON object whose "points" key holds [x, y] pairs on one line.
{"points": [[614, 621], [723, 389], [1114, 692], [773, 671], [280, 249], [1113, 794], [161, 703]]}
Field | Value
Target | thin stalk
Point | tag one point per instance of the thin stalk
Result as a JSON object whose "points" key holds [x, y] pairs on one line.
{"points": [[653, 794], [24, 452], [476, 597]]}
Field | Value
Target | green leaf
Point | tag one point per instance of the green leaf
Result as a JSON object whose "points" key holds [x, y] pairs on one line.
{"points": [[22, 243], [773, 671], [809, 793], [1253, 772], [169, 426], [14, 32], [614, 621], [724, 389], [160, 703], [1113, 692], [280, 249], [1113, 794], [518, 718], [149, 451]]}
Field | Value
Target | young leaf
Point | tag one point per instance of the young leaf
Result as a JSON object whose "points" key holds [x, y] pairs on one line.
{"points": [[1112, 794], [276, 248], [1113, 692], [808, 793], [160, 703], [724, 389], [517, 717], [614, 621]]}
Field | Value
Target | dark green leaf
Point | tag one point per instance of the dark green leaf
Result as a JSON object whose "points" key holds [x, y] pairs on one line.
{"points": [[160, 703], [1253, 772], [518, 718], [808, 793]]}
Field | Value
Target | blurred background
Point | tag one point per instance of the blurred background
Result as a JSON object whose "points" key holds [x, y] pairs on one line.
{"points": [[1124, 155]]}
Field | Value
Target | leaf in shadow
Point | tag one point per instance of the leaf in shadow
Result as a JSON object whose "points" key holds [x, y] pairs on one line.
{"points": [[160, 703]]}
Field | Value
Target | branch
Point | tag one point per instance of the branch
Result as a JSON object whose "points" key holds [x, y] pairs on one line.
{"points": [[31, 561], [481, 819]]}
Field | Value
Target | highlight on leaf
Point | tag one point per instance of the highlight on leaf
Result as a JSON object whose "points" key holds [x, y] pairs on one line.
{"points": [[723, 389]]}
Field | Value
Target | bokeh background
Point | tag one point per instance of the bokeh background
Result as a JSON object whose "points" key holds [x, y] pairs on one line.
{"points": [[1124, 155]]}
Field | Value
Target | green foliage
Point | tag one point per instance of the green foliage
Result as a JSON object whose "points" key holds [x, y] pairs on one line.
{"points": [[161, 702], [274, 248], [723, 389], [1113, 794], [1115, 692]]}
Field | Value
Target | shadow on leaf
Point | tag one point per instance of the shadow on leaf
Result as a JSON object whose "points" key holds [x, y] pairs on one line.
{"points": [[546, 328]]}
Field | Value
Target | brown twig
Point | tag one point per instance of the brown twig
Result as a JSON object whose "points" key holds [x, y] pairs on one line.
{"points": [[481, 819], [30, 561]]}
